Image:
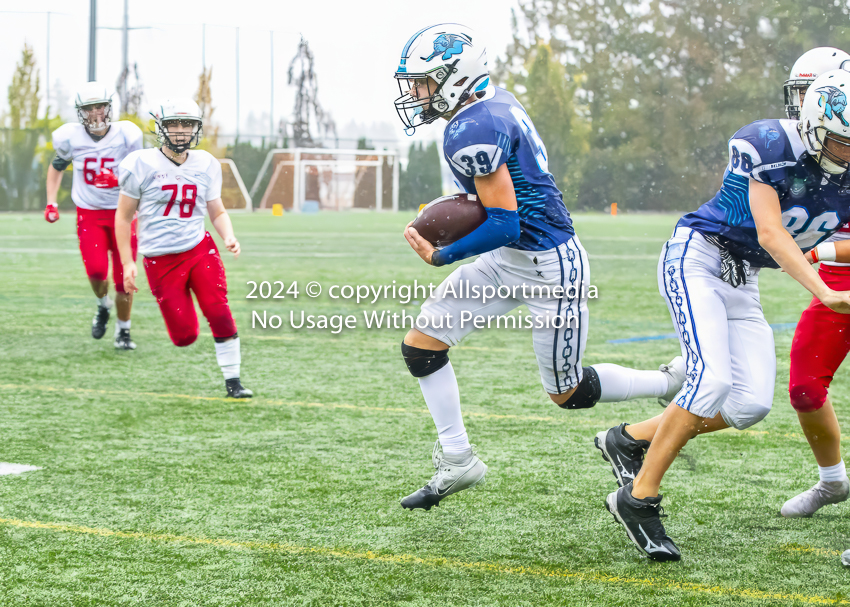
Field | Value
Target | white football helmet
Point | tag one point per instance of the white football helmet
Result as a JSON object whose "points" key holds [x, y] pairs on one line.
{"points": [[94, 106], [809, 66], [441, 67], [823, 126], [184, 112]]}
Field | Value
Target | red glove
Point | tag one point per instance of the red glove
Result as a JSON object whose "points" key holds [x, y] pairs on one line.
{"points": [[105, 180], [51, 212]]}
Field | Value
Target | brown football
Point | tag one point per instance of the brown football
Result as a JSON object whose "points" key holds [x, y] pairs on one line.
{"points": [[450, 218]]}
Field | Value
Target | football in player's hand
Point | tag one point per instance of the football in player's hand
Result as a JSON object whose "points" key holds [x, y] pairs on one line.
{"points": [[450, 218]]}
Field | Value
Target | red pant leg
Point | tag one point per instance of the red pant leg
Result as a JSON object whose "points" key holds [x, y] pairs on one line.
{"points": [[209, 284], [93, 233], [168, 276], [821, 342]]}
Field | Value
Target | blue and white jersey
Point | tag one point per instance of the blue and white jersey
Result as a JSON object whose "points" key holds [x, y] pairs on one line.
{"points": [[494, 131], [771, 152]]}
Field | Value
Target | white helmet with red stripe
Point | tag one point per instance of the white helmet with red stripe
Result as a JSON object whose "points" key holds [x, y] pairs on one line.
{"points": [[179, 124], [809, 66]]}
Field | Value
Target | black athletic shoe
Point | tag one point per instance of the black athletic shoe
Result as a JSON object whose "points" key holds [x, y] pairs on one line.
{"points": [[624, 453], [123, 341], [236, 390], [642, 520], [98, 323]]}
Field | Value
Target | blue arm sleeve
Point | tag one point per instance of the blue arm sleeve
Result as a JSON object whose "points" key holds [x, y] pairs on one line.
{"points": [[501, 228]]}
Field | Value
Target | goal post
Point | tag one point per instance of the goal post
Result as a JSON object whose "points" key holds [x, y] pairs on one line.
{"points": [[234, 194], [309, 179]]}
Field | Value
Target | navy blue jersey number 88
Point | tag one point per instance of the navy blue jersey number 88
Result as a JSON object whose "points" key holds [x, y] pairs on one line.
{"points": [[745, 160]]}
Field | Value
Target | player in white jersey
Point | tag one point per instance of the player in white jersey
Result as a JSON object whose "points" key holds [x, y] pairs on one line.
{"points": [[172, 188], [96, 147]]}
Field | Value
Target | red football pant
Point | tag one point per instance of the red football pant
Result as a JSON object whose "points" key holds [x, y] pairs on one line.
{"points": [[200, 270], [821, 342], [96, 231]]}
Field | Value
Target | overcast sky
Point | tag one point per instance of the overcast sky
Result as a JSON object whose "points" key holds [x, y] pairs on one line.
{"points": [[356, 44]]}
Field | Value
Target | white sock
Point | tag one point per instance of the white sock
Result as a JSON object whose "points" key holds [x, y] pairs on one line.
{"points": [[229, 357], [833, 473], [443, 400], [104, 301], [621, 383], [122, 324]]}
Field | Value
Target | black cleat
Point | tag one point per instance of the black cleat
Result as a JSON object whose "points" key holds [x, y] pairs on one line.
{"points": [[123, 341], [98, 323], [236, 390], [453, 473], [642, 520], [624, 453]]}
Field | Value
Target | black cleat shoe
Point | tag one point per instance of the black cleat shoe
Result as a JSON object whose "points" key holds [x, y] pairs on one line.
{"points": [[642, 520], [98, 323], [236, 390], [454, 473], [624, 453], [123, 341]]}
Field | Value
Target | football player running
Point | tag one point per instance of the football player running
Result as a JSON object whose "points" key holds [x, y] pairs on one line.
{"points": [[783, 192], [820, 331], [96, 147], [527, 240], [172, 188]]}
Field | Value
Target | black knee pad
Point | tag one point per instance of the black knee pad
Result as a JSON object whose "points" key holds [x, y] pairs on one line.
{"points": [[422, 363], [588, 392]]}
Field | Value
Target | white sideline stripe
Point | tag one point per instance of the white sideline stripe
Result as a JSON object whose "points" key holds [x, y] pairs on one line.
{"points": [[42, 251], [6, 469], [283, 254], [244, 254], [653, 257]]}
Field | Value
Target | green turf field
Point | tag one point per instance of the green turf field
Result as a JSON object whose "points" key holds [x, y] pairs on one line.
{"points": [[156, 490]]}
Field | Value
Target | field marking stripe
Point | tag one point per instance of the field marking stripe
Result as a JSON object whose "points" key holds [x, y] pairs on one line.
{"points": [[810, 549], [314, 405], [782, 326], [396, 559], [284, 403]]}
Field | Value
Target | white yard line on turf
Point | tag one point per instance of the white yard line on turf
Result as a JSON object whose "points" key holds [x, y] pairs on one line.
{"points": [[6, 469], [283, 254]]}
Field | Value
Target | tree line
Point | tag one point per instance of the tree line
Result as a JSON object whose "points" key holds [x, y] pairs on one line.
{"points": [[636, 100]]}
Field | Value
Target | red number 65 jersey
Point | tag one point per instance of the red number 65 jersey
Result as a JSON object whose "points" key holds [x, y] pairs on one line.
{"points": [[90, 157], [172, 198]]}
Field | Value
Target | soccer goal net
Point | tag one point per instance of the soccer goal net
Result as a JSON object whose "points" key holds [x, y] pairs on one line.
{"points": [[234, 194], [312, 179]]}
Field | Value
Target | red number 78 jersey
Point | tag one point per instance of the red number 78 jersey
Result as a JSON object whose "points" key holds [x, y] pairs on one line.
{"points": [[172, 198]]}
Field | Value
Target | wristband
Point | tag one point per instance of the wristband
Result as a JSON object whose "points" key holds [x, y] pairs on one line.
{"points": [[825, 251], [814, 254]]}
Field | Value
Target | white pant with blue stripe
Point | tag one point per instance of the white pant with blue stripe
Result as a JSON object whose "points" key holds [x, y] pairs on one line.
{"points": [[726, 342], [559, 344]]}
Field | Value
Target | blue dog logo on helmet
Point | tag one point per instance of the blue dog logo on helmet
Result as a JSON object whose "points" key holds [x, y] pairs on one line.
{"points": [[833, 101], [447, 44]]}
